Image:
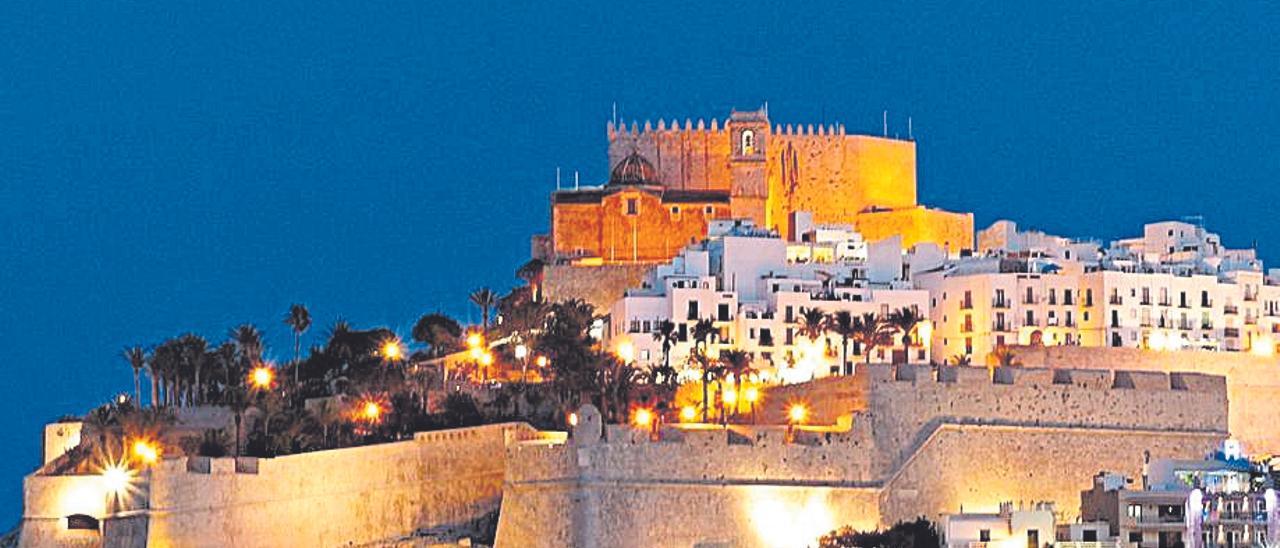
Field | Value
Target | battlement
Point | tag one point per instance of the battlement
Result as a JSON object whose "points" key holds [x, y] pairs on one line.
{"points": [[636, 129], [1045, 377]]}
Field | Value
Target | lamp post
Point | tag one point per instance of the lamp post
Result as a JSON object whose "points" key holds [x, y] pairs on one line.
{"points": [[728, 398], [795, 415], [522, 354], [752, 395]]}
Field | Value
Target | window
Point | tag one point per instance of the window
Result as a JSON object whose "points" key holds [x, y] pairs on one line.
{"points": [[1134, 536], [722, 312], [709, 210], [693, 310], [1089, 535], [675, 210], [748, 142], [631, 206], [1134, 511], [1033, 538], [984, 535]]}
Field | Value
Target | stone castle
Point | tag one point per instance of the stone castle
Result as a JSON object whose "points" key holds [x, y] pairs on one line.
{"points": [[887, 444], [667, 182]]}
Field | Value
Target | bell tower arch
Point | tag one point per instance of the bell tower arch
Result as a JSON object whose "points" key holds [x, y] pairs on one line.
{"points": [[749, 140]]}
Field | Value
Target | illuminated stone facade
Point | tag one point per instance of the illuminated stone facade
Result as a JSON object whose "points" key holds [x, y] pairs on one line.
{"points": [[679, 177], [900, 443]]}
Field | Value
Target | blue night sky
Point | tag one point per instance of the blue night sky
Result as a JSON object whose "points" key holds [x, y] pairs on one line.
{"points": [[194, 165]]}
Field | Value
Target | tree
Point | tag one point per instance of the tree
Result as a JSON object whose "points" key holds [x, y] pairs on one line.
{"points": [[192, 359], [870, 331], [1003, 356], [437, 331], [137, 358], [813, 323], [920, 533], [666, 334], [703, 332], [904, 320], [961, 359], [485, 299], [299, 320], [842, 323], [737, 363]]}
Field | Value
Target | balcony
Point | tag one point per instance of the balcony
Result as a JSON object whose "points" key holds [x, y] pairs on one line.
{"points": [[1185, 326], [966, 304], [1250, 320], [1206, 325], [1166, 302], [1231, 309], [1000, 303], [1146, 301], [1251, 297], [1002, 327], [1231, 332], [1029, 300], [1115, 299]]}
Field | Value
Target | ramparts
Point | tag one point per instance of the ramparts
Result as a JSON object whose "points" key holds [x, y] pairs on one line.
{"points": [[910, 441], [1252, 382]]}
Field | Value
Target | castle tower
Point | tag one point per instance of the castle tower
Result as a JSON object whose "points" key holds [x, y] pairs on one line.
{"points": [[748, 189]]}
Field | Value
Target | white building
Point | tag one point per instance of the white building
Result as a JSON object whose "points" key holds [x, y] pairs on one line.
{"points": [[740, 279], [1032, 528], [1136, 294]]}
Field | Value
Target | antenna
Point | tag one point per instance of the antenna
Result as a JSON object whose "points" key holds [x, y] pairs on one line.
{"points": [[557, 177], [615, 114], [885, 117], [909, 135], [575, 179]]}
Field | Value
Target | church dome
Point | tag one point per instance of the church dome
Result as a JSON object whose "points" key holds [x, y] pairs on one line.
{"points": [[633, 170]]}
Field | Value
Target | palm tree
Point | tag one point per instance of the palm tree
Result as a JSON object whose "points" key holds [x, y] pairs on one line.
{"points": [[667, 335], [842, 323], [813, 323], [904, 320], [484, 298], [737, 363], [869, 331], [299, 320], [137, 358], [193, 349], [703, 332], [1003, 356], [961, 359]]}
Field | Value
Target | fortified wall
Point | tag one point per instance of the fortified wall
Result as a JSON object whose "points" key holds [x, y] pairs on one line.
{"points": [[445, 481], [1253, 382], [919, 441]]}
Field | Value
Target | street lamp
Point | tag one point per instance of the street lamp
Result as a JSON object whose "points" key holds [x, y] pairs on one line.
{"points": [[795, 415], [145, 451], [262, 377], [752, 395], [522, 354], [392, 350], [729, 398], [626, 352], [688, 413]]}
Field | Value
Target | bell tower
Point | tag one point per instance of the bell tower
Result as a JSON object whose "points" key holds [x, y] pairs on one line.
{"points": [[748, 191]]}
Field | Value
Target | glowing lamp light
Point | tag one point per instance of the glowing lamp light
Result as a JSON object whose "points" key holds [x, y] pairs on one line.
{"points": [[371, 411], [541, 361], [393, 350], [262, 376], [475, 353], [146, 451], [925, 332], [116, 478], [643, 418], [486, 359], [797, 413], [626, 351], [573, 419], [751, 394], [1263, 346], [475, 340], [688, 413], [522, 351], [729, 397]]}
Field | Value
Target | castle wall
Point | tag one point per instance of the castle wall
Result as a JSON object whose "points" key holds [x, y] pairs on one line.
{"points": [[977, 467], [599, 286], [744, 488], [439, 480], [1252, 382], [905, 402], [952, 231]]}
